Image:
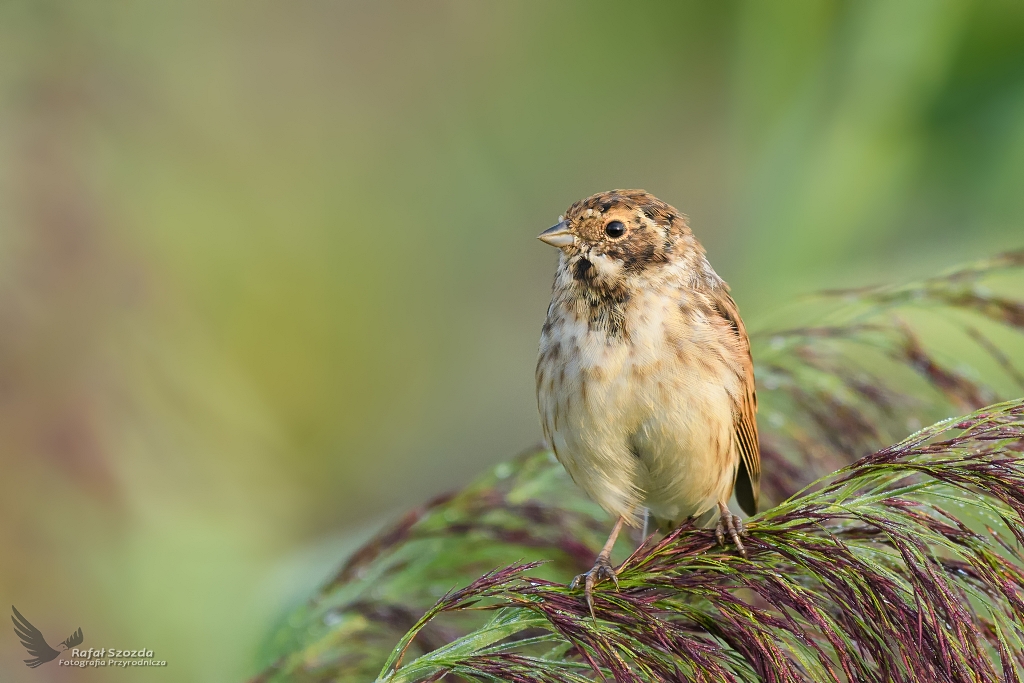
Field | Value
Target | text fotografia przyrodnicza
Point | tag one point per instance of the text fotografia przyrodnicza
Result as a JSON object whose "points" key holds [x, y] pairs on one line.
{"points": [[111, 657]]}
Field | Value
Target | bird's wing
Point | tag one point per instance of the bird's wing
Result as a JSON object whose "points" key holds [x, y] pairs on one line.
{"points": [[748, 477], [33, 640], [74, 639]]}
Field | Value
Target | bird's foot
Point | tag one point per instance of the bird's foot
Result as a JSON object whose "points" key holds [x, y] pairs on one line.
{"points": [[602, 569], [733, 525]]}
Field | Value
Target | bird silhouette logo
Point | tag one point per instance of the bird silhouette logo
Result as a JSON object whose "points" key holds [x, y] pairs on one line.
{"points": [[32, 639]]}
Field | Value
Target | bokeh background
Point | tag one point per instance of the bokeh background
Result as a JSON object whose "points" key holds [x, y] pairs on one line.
{"points": [[268, 273]]}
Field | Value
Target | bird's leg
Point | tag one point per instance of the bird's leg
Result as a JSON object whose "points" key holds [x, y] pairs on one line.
{"points": [[602, 568], [733, 524], [647, 522]]}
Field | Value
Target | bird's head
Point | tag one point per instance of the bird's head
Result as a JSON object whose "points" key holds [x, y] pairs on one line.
{"points": [[622, 237]]}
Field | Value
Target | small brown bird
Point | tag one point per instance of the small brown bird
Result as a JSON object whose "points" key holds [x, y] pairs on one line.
{"points": [[645, 383]]}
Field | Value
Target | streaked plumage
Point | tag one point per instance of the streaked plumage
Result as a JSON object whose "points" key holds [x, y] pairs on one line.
{"points": [[645, 383]]}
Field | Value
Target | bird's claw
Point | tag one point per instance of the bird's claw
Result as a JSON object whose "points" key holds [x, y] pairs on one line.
{"points": [[602, 569], [732, 524]]}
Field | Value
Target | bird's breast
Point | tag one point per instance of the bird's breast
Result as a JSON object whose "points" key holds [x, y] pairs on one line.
{"points": [[638, 417]]}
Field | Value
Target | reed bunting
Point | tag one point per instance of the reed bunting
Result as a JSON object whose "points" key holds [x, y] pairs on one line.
{"points": [[645, 383]]}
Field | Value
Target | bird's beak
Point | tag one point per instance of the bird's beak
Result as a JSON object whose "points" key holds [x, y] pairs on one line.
{"points": [[557, 235]]}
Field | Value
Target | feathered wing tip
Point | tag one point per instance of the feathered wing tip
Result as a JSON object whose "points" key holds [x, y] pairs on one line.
{"points": [[74, 639], [33, 641]]}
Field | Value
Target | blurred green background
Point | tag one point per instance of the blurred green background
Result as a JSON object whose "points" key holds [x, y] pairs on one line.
{"points": [[268, 273]]}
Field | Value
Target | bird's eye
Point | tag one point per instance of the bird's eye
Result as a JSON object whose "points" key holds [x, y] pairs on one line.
{"points": [[615, 229]]}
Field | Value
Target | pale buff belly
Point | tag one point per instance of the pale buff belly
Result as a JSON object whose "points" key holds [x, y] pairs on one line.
{"points": [[636, 425]]}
